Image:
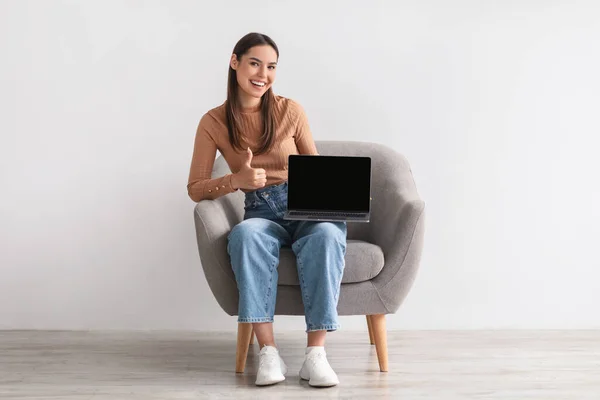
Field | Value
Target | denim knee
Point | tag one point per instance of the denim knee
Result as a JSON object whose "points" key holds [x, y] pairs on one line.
{"points": [[254, 252]]}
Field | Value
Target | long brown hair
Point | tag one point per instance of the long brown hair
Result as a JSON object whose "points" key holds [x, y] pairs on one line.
{"points": [[267, 103]]}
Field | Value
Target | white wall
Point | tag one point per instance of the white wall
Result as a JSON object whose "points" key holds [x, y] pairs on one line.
{"points": [[495, 104]]}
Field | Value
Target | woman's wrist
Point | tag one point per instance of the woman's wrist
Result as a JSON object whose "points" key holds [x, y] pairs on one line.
{"points": [[234, 183]]}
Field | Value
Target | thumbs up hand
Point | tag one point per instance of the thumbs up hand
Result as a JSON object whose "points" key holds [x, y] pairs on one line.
{"points": [[248, 177]]}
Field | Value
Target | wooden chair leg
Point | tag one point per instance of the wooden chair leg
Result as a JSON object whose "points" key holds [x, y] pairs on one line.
{"points": [[380, 333], [252, 337], [243, 341], [370, 326]]}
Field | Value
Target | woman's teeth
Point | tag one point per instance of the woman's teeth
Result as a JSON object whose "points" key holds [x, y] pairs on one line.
{"points": [[259, 84]]}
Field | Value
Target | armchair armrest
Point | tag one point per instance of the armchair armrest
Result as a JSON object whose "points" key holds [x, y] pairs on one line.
{"points": [[214, 219], [398, 228]]}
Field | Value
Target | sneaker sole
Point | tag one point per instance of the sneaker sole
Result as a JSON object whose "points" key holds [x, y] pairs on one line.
{"points": [[270, 382], [322, 384]]}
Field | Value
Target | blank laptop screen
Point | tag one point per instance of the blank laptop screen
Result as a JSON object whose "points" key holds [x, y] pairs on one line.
{"points": [[329, 183]]}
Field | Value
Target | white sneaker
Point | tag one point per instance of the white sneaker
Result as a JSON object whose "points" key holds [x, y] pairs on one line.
{"points": [[316, 369], [271, 368]]}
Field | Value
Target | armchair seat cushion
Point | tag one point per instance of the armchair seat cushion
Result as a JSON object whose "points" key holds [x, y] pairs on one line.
{"points": [[364, 261]]}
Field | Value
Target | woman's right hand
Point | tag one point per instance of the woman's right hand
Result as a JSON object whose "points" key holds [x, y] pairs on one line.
{"points": [[248, 177]]}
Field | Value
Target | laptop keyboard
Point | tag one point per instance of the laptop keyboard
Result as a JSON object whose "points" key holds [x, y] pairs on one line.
{"points": [[327, 214]]}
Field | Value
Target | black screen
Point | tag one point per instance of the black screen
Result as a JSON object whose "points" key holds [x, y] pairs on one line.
{"points": [[329, 183]]}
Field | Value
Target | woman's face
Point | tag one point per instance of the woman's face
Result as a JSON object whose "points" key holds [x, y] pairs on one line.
{"points": [[256, 70]]}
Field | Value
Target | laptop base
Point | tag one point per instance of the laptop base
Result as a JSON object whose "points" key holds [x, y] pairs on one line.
{"points": [[315, 216]]}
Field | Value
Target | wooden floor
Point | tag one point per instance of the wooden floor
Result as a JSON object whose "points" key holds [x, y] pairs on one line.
{"points": [[190, 365]]}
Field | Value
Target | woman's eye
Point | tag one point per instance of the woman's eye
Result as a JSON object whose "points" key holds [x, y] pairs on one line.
{"points": [[254, 63], [271, 67]]}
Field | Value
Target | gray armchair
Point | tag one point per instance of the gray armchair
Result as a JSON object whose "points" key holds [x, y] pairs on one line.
{"points": [[382, 256]]}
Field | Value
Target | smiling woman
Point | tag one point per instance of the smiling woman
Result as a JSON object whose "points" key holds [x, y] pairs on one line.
{"points": [[252, 72], [256, 132], [253, 126]]}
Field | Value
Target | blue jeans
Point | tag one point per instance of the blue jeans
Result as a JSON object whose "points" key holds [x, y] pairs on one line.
{"points": [[254, 245]]}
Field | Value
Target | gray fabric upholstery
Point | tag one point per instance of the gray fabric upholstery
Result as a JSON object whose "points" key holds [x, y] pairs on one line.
{"points": [[382, 256], [363, 262]]}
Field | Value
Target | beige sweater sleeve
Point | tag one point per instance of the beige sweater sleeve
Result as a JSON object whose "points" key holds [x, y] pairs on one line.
{"points": [[200, 185], [303, 136]]}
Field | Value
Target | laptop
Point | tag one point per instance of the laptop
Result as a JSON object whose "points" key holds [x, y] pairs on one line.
{"points": [[328, 188]]}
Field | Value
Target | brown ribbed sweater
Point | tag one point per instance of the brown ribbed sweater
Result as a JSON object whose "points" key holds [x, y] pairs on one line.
{"points": [[292, 136]]}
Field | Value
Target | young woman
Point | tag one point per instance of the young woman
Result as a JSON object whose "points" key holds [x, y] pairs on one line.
{"points": [[255, 131]]}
